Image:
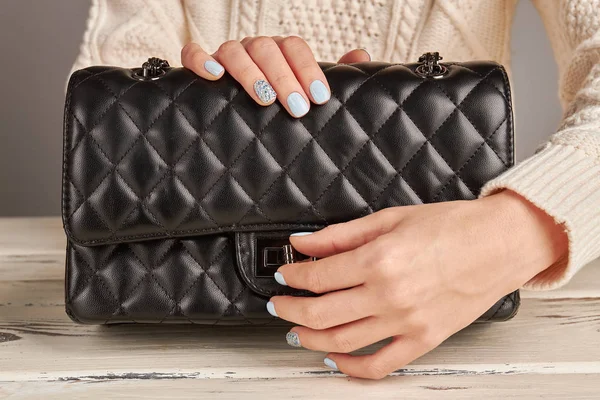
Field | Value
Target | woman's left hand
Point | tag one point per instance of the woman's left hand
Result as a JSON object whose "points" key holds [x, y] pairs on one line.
{"points": [[417, 274]]}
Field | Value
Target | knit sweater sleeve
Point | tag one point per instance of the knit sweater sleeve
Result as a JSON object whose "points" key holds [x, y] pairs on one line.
{"points": [[563, 177], [126, 33]]}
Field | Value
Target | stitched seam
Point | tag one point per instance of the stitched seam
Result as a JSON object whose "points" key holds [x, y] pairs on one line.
{"points": [[153, 277], [139, 282], [86, 132], [284, 171], [400, 108], [113, 235], [498, 67], [211, 279], [91, 75], [456, 175], [198, 138], [341, 172], [87, 281], [469, 119], [162, 234], [115, 165], [143, 134], [220, 229], [85, 200], [427, 140], [226, 172], [103, 284], [507, 97], [177, 303], [316, 135], [258, 138], [174, 103], [154, 188]]}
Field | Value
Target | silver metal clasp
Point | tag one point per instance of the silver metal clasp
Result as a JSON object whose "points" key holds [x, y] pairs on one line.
{"points": [[273, 252], [430, 66], [275, 257]]}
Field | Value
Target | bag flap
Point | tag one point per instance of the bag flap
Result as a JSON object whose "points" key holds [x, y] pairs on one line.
{"points": [[182, 156]]}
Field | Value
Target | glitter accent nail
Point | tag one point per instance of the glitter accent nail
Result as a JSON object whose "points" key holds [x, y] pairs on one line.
{"points": [[264, 91], [293, 339]]}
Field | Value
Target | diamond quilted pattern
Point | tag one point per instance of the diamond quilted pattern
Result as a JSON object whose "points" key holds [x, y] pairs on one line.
{"points": [[160, 281], [215, 160], [159, 175]]}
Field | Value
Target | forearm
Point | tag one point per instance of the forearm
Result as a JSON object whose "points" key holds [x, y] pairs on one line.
{"points": [[563, 177]]}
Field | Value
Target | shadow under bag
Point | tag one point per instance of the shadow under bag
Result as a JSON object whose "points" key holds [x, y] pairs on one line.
{"points": [[179, 193]]}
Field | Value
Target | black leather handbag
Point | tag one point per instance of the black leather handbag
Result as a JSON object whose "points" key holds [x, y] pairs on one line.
{"points": [[179, 194]]}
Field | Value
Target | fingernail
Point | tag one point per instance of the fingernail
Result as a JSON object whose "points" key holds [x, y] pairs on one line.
{"points": [[271, 309], [264, 91], [213, 67], [301, 233], [298, 106], [319, 91], [293, 339], [365, 50], [279, 278], [330, 363]]}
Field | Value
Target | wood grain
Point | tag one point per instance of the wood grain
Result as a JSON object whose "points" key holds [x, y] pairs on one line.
{"points": [[550, 349], [568, 386]]}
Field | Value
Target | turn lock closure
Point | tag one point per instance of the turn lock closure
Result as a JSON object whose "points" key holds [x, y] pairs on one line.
{"points": [[259, 256]]}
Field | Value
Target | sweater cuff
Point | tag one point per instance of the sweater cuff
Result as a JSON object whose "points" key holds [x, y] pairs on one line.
{"points": [[564, 182]]}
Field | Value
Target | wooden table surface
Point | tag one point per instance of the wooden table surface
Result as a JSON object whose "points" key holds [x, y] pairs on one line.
{"points": [[550, 350]]}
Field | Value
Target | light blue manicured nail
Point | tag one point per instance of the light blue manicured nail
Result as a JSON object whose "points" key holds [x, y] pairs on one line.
{"points": [[319, 92], [213, 67], [301, 233], [330, 363], [279, 278], [298, 106], [271, 309]]}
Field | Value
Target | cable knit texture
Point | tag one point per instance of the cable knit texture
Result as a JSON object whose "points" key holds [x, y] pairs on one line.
{"points": [[562, 178]]}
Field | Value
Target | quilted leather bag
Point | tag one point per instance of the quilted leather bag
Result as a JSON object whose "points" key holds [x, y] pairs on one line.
{"points": [[179, 194]]}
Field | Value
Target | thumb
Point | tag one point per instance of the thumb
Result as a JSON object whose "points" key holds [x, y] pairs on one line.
{"points": [[356, 55], [345, 236]]}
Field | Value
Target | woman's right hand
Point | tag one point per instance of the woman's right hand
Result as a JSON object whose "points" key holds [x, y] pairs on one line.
{"points": [[269, 68]]}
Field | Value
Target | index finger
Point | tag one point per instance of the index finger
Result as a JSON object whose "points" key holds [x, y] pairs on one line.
{"points": [[337, 272]]}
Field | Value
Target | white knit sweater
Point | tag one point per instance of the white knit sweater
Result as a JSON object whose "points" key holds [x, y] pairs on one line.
{"points": [[562, 178]]}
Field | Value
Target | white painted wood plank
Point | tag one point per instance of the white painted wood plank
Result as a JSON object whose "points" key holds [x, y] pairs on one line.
{"points": [[490, 387], [39, 338]]}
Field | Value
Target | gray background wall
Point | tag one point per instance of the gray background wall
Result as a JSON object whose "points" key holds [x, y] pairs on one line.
{"points": [[40, 40]]}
